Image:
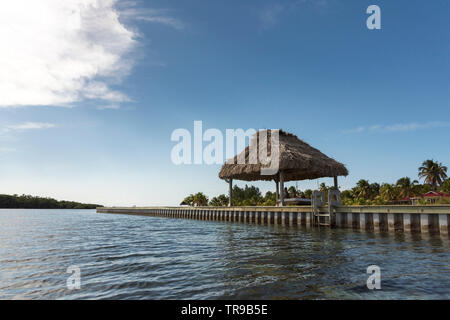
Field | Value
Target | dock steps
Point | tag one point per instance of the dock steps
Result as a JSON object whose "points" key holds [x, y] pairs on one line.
{"points": [[321, 219]]}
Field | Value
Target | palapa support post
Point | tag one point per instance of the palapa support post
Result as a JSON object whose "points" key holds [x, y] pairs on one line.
{"points": [[277, 192], [336, 183], [230, 192], [282, 187]]}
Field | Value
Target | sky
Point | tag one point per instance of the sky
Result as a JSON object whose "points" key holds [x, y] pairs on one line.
{"points": [[91, 91]]}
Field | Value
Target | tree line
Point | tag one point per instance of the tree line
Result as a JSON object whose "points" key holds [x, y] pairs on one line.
{"points": [[432, 172], [30, 202]]}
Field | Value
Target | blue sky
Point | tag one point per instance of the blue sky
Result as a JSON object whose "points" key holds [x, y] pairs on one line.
{"points": [[91, 93]]}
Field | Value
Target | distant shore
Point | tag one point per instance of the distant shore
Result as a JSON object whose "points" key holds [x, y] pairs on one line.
{"points": [[32, 202]]}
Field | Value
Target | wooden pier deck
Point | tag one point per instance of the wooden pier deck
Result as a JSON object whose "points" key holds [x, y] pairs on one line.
{"points": [[400, 218]]}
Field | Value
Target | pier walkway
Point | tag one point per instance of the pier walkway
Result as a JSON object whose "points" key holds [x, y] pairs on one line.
{"points": [[425, 219]]}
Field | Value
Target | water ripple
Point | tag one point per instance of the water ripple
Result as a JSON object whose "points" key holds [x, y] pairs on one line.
{"points": [[136, 257]]}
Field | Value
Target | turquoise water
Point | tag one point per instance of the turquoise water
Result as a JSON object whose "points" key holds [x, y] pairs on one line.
{"points": [[136, 257]]}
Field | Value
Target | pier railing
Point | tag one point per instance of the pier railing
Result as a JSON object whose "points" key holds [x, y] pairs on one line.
{"points": [[405, 218]]}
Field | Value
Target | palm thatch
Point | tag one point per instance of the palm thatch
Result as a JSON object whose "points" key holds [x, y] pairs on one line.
{"points": [[297, 159]]}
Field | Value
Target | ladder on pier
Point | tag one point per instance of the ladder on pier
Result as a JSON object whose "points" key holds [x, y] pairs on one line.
{"points": [[323, 219], [317, 201]]}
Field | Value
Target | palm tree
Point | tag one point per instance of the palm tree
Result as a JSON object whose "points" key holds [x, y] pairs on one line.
{"points": [[362, 189], [200, 200], [188, 201], [387, 191], [219, 201], [293, 192], [323, 187], [433, 172], [374, 190], [406, 187]]}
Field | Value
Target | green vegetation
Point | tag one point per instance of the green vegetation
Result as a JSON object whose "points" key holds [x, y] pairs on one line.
{"points": [[30, 202], [247, 196], [433, 172], [198, 199], [220, 201], [446, 186], [364, 193]]}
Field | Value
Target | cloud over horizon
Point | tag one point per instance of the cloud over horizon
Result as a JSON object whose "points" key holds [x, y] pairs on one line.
{"points": [[399, 127], [29, 126]]}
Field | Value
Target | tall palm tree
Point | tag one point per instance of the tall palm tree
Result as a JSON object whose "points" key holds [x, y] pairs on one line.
{"points": [[406, 187], [200, 200], [189, 200], [433, 172], [362, 189], [387, 191], [323, 187], [293, 192], [374, 190]]}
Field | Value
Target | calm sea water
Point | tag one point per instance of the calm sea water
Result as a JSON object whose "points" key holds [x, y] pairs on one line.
{"points": [[135, 257]]}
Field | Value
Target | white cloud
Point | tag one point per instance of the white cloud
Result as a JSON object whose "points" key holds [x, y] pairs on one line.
{"points": [[129, 11], [29, 126], [271, 15], [399, 127], [109, 107], [55, 52], [58, 52], [7, 150]]}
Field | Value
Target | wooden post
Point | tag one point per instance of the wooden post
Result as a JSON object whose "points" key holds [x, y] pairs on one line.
{"points": [[424, 223], [362, 221], [443, 223], [336, 183], [230, 193], [282, 188]]}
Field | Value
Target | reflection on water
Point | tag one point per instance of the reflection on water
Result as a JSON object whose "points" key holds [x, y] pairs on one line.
{"points": [[135, 257]]}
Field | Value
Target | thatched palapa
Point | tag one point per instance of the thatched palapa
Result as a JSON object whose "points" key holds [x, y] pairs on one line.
{"points": [[297, 160]]}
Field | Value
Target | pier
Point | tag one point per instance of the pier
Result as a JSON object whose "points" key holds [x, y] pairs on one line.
{"points": [[295, 160], [414, 219]]}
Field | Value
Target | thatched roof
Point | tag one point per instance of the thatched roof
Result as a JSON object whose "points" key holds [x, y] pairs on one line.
{"points": [[298, 160]]}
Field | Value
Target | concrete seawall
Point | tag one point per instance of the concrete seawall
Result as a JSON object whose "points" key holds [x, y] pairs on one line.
{"points": [[425, 219]]}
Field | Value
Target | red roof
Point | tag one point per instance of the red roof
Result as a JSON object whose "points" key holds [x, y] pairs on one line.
{"points": [[431, 194]]}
